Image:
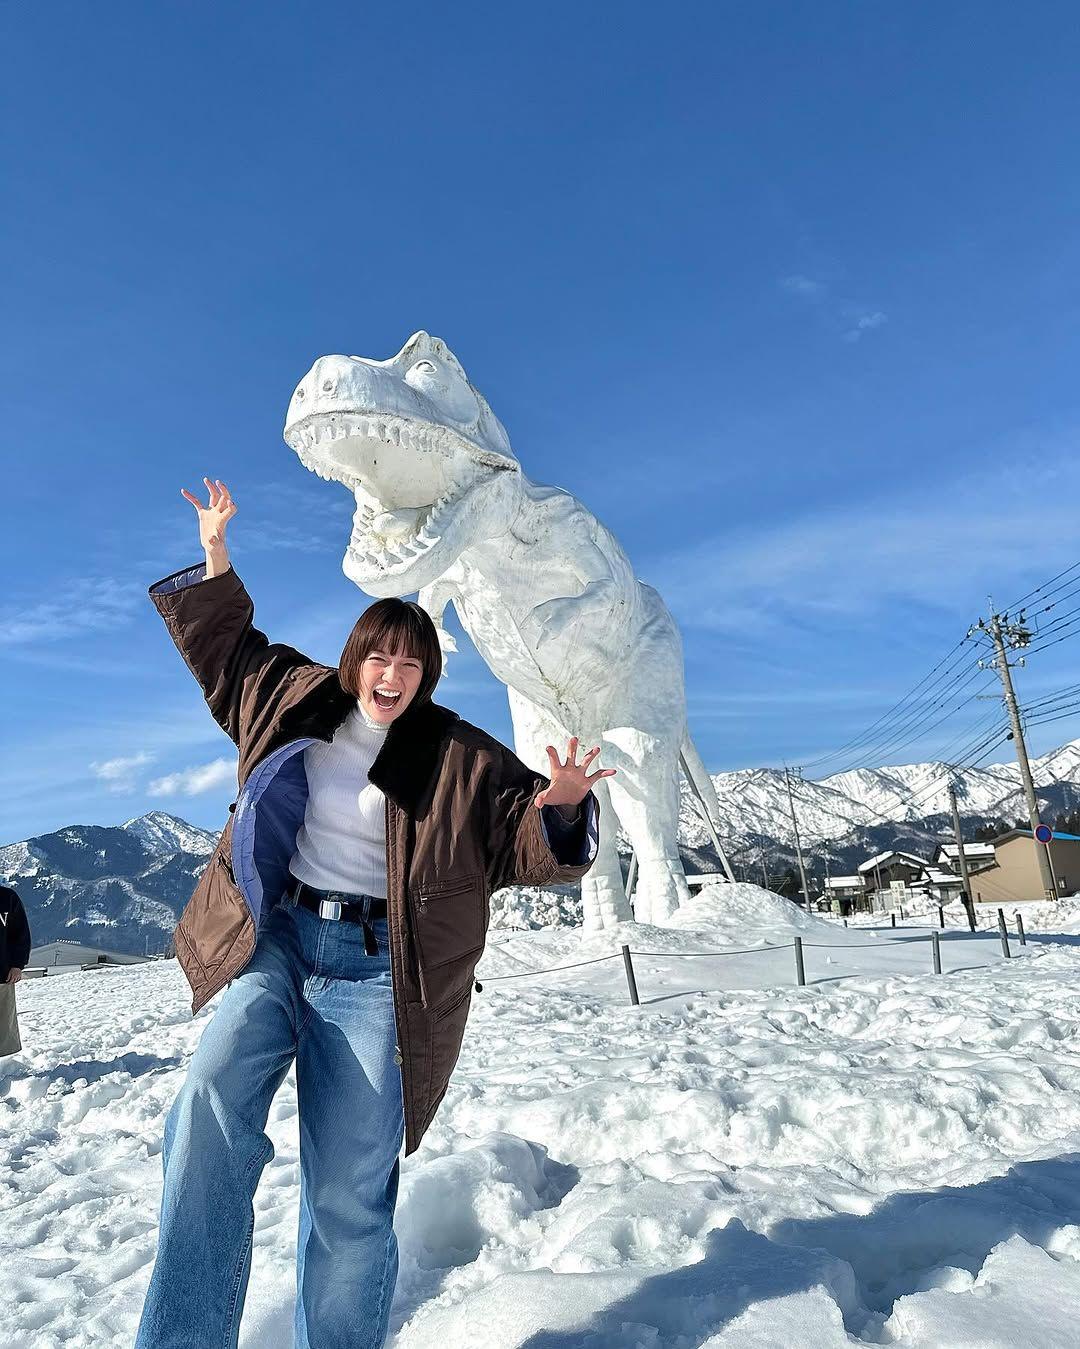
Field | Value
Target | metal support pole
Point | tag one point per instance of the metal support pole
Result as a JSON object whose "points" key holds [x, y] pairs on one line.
{"points": [[1020, 928], [941, 917], [631, 874], [937, 952], [800, 968], [631, 981], [892, 917], [1004, 931], [710, 823]]}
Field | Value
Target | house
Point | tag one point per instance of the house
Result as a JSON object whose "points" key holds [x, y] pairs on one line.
{"points": [[891, 872], [976, 855], [1015, 874], [844, 893], [943, 885]]}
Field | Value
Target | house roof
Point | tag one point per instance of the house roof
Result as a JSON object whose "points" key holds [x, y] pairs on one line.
{"points": [[1026, 833], [970, 850], [907, 858]]}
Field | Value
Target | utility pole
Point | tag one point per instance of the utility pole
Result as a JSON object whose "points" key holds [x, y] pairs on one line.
{"points": [[968, 902], [1006, 636], [764, 873], [798, 844]]}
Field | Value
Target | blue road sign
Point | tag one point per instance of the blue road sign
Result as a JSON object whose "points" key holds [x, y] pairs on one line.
{"points": [[1044, 833]]}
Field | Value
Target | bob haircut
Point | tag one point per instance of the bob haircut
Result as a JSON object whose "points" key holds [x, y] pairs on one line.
{"points": [[391, 625]]}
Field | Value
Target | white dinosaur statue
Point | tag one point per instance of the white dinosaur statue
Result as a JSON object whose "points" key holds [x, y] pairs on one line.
{"points": [[542, 588]]}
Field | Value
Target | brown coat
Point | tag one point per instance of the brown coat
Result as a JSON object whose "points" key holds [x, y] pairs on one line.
{"points": [[460, 824]]}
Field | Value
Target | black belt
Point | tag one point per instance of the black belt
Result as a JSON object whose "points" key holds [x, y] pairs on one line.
{"points": [[340, 907]]}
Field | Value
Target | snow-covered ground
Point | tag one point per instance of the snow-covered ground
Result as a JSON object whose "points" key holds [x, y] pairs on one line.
{"points": [[883, 1156]]}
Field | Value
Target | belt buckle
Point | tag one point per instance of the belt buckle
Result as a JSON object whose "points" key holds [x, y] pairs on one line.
{"points": [[330, 908]]}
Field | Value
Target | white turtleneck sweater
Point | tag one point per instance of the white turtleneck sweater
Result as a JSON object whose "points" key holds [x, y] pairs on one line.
{"points": [[342, 843]]}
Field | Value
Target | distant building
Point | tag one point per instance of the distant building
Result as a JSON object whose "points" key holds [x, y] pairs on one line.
{"points": [[976, 855], [1015, 876], [65, 957], [888, 871], [845, 893]]}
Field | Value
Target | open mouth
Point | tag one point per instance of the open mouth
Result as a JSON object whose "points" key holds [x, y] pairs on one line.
{"points": [[406, 500], [386, 701]]}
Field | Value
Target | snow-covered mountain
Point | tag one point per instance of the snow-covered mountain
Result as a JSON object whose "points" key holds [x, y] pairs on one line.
{"points": [[120, 887], [124, 887], [754, 802]]}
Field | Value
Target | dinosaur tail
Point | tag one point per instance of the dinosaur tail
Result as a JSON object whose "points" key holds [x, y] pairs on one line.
{"points": [[699, 779]]}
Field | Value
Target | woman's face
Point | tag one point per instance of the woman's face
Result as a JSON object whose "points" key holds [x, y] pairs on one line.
{"points": [[394, 672]]}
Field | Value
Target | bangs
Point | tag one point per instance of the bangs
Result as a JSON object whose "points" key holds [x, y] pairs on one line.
{"points": [[391, 633], [391, 626]]}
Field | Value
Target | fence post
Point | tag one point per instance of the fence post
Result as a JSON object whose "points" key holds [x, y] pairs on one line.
{"points": [[630, 975], [800, 968], [1004, 934], [1020, 928], [937, 952], [892, 916], [941, 917]]}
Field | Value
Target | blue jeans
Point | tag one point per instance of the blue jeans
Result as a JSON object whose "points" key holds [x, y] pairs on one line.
{"points": [[309, 992]]}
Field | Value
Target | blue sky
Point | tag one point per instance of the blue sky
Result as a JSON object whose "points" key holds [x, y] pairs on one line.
{"points": [[787, 294]]}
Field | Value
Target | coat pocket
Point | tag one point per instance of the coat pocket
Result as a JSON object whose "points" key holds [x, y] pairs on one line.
{"points": [[449, 924], [216, 917]]}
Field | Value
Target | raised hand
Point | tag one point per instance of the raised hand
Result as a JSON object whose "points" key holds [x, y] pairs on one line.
{"points": [[569, 782], [212, 521]]}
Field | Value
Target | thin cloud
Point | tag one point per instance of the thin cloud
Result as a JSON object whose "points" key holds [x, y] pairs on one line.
{"points": [[822, 567], [865, 323], [194, 781], [852, 319], [805, 286], [120, 775], [85, 605]]}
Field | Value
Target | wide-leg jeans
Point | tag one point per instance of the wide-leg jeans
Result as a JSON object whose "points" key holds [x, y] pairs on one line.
{"points": [[309, 992]]}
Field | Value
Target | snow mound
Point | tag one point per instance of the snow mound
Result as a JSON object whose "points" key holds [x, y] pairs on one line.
{"points": [[736, 913]]}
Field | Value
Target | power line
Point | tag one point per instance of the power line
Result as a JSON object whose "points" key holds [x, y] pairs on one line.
{"points": [[1038, 589], [886, 716]]}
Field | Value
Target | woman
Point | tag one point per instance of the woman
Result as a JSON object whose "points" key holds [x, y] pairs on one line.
{"points": [[14, 953], [344, 912]]}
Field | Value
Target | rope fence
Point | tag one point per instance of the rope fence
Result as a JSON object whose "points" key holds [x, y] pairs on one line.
{"points": [[797, 944]]}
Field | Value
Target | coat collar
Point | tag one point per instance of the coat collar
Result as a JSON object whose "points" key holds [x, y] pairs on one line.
{"points": [[409, 756]]}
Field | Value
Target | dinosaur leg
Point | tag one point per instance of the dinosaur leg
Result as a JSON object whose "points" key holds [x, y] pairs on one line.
{"points": [[603, 891], [603, 894], [645, 794]]}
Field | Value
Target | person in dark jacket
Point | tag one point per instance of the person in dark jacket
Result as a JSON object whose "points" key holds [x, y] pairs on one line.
{"points": [[343, 913], [14, 953]]}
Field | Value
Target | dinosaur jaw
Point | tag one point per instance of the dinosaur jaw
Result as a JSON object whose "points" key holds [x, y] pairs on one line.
{"points": [[414, 485]]}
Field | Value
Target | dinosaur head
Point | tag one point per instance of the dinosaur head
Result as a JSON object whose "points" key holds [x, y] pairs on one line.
{"points": [[427, 460]]}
